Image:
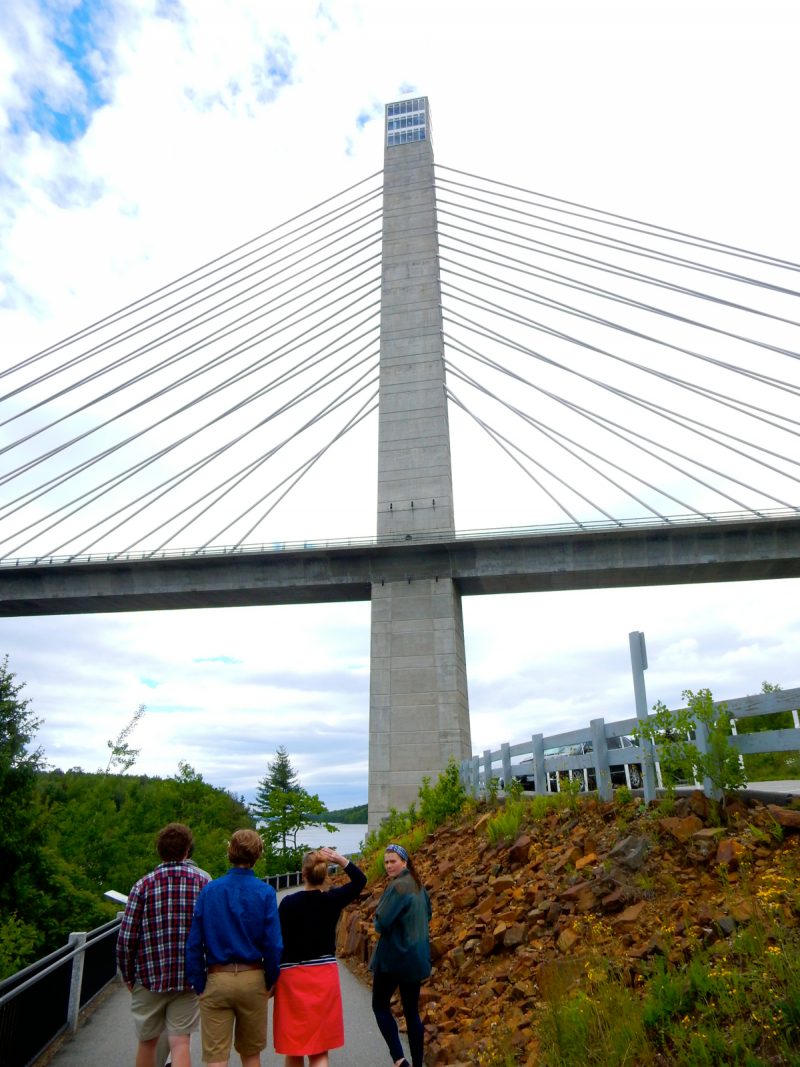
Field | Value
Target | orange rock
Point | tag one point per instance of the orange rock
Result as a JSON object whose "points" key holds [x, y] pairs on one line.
{"points": [[681, 829], [631, 914], [567, 940], [730, 852], [786, 817]]}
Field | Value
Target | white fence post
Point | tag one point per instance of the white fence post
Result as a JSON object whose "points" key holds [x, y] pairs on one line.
{"points": [[476, 776], [701, 740], [539, 778], [505, 753], [602, 768], [487, 769], [638, 667], [76, 981]]}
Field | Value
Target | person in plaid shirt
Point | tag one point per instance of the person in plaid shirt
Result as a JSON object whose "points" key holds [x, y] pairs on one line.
{"points": [[151, 948]]}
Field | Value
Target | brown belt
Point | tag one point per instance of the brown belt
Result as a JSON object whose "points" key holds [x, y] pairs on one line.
{"points": [[215, 968]]}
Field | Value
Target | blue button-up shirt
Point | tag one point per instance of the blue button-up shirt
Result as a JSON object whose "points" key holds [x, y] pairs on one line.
{"points": [[235, 921]]}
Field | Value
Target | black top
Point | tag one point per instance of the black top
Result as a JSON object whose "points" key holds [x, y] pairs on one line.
{"points": [[308, 919]]}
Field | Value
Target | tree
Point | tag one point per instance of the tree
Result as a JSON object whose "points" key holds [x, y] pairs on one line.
{"points": [[283, 808], [122, 755], [20, 825], [280, 776], [287, 814], [672, 731], [42, 895]]}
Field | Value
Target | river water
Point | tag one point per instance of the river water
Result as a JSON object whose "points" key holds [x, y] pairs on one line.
{"points": [[346, 840]]}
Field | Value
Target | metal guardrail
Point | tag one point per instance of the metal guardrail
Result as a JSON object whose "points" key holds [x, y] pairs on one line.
{"points": [[284, 881], [595, 526], [43, 1001], [587, 749]]}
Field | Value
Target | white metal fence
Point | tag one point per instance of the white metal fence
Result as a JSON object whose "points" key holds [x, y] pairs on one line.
{"points": [[602, 755]]}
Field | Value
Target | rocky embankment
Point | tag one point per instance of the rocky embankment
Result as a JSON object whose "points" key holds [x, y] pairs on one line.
{"points": [[603, 880]]}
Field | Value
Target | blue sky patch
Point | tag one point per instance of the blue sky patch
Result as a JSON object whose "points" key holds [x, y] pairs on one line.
{"points": [[151, 683], [78, 36], [216, 659], [276, 72], [170, 9]]}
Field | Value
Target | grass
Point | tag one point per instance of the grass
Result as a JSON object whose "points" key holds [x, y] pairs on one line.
{"points": [[506, 824], [738, 1006], [736, 1001]]}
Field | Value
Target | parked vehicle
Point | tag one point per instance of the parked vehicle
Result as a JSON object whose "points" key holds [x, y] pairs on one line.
{"points": [[628, 774]]}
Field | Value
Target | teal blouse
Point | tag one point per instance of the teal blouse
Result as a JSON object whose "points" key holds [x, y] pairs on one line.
{"points": [[401, 919]]}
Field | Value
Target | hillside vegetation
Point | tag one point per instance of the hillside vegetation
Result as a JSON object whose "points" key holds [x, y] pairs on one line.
{"points": [[567, 930], [86, 833], [355, 816]]}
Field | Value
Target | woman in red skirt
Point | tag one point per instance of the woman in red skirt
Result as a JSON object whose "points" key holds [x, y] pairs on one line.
{"points": [[307, 1016]]}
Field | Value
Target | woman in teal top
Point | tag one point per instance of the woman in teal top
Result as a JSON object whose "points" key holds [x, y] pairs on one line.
{"points": [[402, 957]]}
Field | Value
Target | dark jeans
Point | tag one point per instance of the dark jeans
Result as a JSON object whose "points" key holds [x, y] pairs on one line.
{"points": [[383, 987]]}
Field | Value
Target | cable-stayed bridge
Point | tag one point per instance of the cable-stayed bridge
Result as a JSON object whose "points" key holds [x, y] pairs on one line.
{"points": [[620, 400]]}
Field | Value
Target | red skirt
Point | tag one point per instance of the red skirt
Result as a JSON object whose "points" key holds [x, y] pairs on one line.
{"points": [[307, 1013]]}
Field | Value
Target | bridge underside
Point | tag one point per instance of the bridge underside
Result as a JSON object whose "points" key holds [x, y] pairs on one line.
{"points": [[673, 555]]}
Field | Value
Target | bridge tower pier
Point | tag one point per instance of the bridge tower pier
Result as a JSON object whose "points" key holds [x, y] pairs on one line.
{"points": [[419, 709]]}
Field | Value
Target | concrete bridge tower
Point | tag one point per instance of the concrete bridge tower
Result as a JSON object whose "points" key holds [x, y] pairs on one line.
{"points": [[419, 710]]}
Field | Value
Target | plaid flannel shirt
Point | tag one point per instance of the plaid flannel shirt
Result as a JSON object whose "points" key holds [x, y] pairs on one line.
{"points": [[152, 938]]}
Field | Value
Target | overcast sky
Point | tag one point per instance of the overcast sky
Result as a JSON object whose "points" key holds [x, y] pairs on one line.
{"points": [[141, 139]]}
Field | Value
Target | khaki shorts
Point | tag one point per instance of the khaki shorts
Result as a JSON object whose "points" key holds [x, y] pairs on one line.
{"points": [[228, 998], [176, 1012]]}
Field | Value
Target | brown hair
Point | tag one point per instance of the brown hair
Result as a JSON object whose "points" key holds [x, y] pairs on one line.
{"points": [[244, 848], [174, 841], [413, 871], [315, 868]]}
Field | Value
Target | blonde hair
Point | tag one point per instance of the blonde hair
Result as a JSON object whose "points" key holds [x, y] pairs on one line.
{"points": [[315, 868], [244, 848]]}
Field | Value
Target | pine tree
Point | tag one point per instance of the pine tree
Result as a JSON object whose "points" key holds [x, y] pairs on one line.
{"points": [[283, 808], [281, 776]]}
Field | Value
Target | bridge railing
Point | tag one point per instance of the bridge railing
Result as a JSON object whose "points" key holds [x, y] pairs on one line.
{"points": [[390, 540], [603, 755], [284, 881], [44, 1000]]}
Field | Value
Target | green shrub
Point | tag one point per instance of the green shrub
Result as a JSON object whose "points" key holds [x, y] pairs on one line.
{"points": [[504, 827], [670, 732], [18, 944], [444, 800], [438, 803]]}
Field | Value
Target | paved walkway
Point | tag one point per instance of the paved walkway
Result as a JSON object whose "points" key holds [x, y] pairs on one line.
{"points": [[107, 1038]]}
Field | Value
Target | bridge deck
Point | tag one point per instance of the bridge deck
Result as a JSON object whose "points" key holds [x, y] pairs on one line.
{"points": [[746, 549]]}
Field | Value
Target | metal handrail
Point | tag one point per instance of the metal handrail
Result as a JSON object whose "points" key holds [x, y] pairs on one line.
{"points": [[59, 957], [44, 999]]}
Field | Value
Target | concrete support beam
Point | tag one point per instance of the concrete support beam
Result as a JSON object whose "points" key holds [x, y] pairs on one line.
{"points": [[419, 715], [419, 712]]}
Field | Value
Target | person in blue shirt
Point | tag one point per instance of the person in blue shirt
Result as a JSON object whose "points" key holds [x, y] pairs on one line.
{"points": [[233, 956], [402, 957]]}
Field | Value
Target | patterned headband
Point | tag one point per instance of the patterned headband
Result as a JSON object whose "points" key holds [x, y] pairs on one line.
{"points": [[401, 852]]}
